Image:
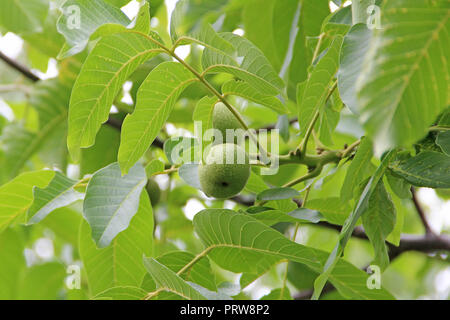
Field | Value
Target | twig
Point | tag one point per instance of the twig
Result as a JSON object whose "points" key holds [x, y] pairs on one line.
{"points": [[19, 67], [421, 212]]}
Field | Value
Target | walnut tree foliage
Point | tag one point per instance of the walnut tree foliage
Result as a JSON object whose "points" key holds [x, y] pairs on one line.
{"points": [[90, 187]]}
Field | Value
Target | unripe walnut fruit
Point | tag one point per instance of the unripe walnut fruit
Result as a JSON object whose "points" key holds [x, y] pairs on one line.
{"points": [[224, 119], [225, 171]]}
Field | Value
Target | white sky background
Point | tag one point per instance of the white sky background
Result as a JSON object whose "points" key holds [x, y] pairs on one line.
{"points": [[438, 211]]}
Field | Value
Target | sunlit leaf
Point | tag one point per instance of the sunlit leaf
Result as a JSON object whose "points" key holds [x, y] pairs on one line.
{"points": [[155, 101]]}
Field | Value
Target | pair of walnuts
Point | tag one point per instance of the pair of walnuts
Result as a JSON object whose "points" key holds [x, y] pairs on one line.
{"points": [[226, 169]]}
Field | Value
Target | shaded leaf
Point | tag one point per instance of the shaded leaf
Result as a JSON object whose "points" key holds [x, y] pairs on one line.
{"points": [[59, 193], [23, 16], [168, 280], [404, 84], [358, 170], [112, 200], [427, 169], [119, 264], [443, 141], [318, 84], [378, 222], [90, 14], [16, 196], [240, 243], [354, 48], [277, 194]]}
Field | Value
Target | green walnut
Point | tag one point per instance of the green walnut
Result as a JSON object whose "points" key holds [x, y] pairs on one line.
{"points": [[225, 171], [153, 191], [224, 119]]}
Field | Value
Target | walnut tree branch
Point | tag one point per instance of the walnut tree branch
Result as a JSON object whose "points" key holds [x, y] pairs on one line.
{"points": [[115, 123], [421, 212], [19, 67]]}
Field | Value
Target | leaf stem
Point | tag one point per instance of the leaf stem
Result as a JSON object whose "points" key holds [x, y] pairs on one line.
{"points": [[439, 128], [304, 144], [202, 79]]}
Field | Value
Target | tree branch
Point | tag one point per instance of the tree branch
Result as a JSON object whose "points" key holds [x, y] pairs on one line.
{"points": [[421, 212], [426, 243], [115, 123], [19, 67]]}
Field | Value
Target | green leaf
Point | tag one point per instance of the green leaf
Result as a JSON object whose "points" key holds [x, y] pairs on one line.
{"points": [[283, 126], [327, 123], [244, 90], [240, 243], [254, 67], [318, 85], [153, 167], [277, 194], [255, 183], [207, 37], [268, 25], [174, 148], [112, 200], [155, 101], [167, 280], [349, 226], [59, 193], [204, 112], [358, 170], [50, 99], [189, 173], [300, 215], [102, 153], [312, 14], [397, 106], [354, 48], [188, 15], [11, 251], [443, 141], [200, 273], [65, 223], [90, 14], [333, 209], [15, 142], [378, 222], [48, 277], [278, 294], [142, 21], [399, 186], [17, 195], [108, 66], [119, 264], [427, 169], [23, 16], [121, 293]]}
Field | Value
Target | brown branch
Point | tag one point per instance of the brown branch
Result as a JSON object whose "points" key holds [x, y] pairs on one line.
{"points": [[421, 212], [272, 126], [115, 123], [425, 243], [19, 67]]}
